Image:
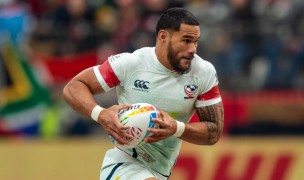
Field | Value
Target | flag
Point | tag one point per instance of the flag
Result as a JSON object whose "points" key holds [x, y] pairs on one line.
{"points": [[23, 100]]}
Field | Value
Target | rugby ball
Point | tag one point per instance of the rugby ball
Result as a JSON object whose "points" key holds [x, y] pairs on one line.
{"points": [[139, 118]]}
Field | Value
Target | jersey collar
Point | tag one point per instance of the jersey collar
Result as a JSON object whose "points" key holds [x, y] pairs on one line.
{"points": [[160, 66]]}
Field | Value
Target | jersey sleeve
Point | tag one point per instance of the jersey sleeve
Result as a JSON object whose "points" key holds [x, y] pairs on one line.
{"points": [[210, 93], [106, 76], [112, 72]]}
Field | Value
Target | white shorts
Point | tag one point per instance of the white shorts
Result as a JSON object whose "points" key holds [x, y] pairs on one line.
{"points": [[117, 165]]}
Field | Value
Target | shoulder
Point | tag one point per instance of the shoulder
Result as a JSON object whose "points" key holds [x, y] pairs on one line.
{"points": [[200, 65], [127, 63], [135, 58], [205, 72]]}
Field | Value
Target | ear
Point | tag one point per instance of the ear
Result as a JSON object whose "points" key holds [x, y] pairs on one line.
{"points": [[162, 36]]}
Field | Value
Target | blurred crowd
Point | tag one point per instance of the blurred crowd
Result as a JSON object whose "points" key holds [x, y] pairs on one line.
{"points": [[254, 44]]}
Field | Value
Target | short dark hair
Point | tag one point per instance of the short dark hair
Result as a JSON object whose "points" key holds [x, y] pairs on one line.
{"points": [[174, 17]]}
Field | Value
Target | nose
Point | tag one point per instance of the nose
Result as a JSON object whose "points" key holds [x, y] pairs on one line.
{"points": [[192, 48]]}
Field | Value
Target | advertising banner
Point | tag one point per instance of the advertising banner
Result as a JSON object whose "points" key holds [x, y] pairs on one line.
{"points": [[246, 158]]}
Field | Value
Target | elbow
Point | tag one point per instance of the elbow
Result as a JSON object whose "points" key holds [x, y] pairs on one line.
{"points": [[214, 137], [213, 140], [65, 92]]}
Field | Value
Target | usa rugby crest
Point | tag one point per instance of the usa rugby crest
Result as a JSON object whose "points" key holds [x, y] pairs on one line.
{"points": [[190, 89]]}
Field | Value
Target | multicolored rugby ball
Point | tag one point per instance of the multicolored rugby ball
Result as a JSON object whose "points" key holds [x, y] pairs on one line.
{"points": [[139, 118]]}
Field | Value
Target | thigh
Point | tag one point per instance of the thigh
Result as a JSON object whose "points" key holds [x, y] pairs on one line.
{"points": [[127, 171]]}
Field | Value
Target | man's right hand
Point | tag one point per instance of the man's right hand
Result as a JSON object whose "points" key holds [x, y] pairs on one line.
{"points": [[108, 119]]}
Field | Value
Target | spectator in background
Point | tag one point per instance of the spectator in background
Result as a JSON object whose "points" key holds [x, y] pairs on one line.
{"points": [[280, 23], [15, 22], [37, 7], [133, 32], [145, 32], [107, 21], [295, 47], [242, 26], [68, 29], [128, 23]]}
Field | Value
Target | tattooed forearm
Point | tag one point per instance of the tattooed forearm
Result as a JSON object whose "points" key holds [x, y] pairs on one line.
{"points": [[213, 117]]}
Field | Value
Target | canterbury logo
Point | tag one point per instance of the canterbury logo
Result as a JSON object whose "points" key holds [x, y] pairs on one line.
{"points": [[141, 84]]}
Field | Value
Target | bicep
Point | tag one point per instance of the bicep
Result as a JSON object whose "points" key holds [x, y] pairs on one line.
{"points": [[88, 78]]}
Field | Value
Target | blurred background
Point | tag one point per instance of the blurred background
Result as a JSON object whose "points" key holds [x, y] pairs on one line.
{"points": [[257, 47]]}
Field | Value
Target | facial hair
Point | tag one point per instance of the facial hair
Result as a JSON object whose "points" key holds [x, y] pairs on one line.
{"points": [[175, 62]]}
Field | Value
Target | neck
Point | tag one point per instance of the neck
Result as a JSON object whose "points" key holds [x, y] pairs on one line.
{"points": [[162, 56]]}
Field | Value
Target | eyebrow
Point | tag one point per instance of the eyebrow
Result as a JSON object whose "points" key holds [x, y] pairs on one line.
{"points": [[191, 37]]}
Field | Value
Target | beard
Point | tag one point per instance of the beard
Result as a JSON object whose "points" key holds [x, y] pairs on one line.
{"points": [[175, 62]]}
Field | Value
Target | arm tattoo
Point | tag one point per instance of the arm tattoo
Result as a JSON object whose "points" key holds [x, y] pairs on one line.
{"points": [[213, 117]]}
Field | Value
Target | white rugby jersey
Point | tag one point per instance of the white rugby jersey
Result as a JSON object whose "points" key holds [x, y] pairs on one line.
{"points": [[140, 77]]}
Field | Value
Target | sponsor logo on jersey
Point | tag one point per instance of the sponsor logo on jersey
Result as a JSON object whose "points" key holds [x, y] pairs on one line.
{"points": [[190, 89], [141, 85], [114, 57]]}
